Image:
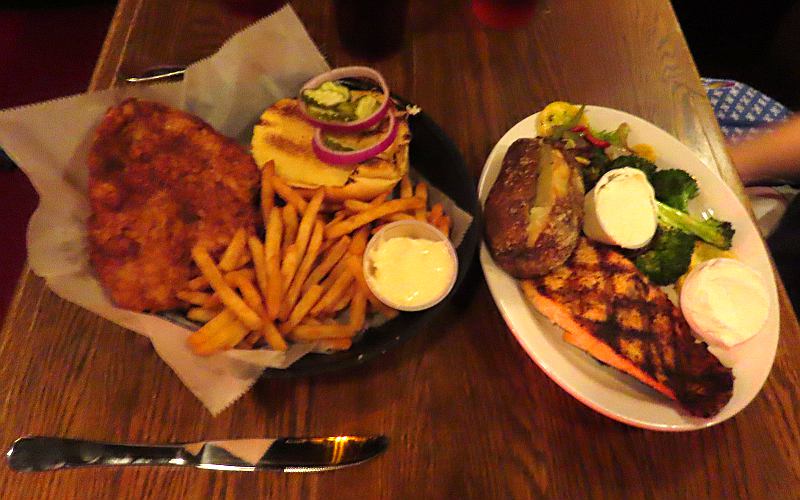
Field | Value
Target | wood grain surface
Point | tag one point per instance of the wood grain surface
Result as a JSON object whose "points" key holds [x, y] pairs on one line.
{"points": [[469, 415]]}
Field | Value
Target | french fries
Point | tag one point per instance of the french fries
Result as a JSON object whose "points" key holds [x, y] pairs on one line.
{"points": [[421, 193], [249, 341], [197, 283], [444, 223], [359, 242], [358, 310], [290, 222], [302, 273], [223, 331], [273, 336], [362, 218], [356, 206], [436, 212], [330, 345], [288, 194], [331, 259], [406, 188], [267, 191], [259, 264], [201, 314], [272, 257], [302, 308], [291, 260], [333, 292], [250, 294], [304, 231], [226, 294], [398, 216], [344, 300], [304, 281], [233, 253], [315, 332]]}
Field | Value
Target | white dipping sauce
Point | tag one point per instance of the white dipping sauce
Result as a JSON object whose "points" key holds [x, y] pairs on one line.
{"points": [[724, 301], [410, 272]]}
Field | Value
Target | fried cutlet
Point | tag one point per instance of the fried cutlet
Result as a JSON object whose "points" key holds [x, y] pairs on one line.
{"points": [[609, 309], [161, 181]]}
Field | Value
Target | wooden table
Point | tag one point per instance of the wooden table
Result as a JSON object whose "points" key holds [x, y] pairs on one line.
{"points": [[468, 413]]}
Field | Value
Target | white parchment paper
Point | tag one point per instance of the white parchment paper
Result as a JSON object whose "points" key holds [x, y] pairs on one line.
{"points": [[50, 141]]}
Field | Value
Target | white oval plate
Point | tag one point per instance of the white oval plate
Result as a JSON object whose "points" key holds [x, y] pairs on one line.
{"points": [[605, 389]]}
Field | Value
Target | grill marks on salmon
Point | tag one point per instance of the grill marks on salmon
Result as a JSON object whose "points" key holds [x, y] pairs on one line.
{"points": [[610, 310]]}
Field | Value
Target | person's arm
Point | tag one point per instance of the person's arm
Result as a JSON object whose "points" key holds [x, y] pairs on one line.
{"points": [[770, 157]]}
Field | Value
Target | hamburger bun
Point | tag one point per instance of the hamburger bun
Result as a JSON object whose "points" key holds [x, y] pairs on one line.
{"points": [[284, 136]]}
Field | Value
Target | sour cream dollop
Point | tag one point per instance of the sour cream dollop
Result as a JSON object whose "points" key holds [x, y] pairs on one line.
{"points": [[724, 301], [621, 209]]}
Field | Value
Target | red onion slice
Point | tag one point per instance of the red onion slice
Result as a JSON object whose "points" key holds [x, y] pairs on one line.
{"points": [[338, 74], [334, 157]]}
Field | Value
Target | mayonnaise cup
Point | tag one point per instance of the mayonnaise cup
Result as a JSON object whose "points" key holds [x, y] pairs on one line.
{"points": [[410, 265]]}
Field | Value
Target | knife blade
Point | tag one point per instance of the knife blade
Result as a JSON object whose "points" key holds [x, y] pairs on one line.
{"points": [[286, 454], [158, 73]]}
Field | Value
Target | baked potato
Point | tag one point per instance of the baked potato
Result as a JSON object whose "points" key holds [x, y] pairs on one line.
{"points": [[534, 210]]}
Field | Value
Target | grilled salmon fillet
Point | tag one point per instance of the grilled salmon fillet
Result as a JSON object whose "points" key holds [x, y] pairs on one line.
{"points": [[609, 309], [161, 181]]}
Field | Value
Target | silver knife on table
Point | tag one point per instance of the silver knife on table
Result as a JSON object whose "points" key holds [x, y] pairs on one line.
{"points": [[158, 73], [288, 454]]}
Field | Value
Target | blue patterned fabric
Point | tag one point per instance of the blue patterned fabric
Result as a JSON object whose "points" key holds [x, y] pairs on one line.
{"points": [[740, 109]]}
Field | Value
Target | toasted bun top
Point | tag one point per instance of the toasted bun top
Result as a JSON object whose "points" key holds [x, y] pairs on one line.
{"points": [[284, 136]]}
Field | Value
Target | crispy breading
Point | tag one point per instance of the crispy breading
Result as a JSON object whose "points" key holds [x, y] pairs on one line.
{"points": [[161, 181]]}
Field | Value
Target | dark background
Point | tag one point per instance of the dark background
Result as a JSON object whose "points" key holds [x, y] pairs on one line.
{"points": [[755, 42]]}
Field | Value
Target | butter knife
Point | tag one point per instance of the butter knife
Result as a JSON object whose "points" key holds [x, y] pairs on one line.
{"points": [[158, 73], [288, 454]]}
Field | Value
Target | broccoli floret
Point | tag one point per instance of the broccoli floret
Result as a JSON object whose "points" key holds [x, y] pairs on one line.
{"points": [[633, 161], [600, 165], [716, 232], [595, 169], [674, 187], [668, 257]]}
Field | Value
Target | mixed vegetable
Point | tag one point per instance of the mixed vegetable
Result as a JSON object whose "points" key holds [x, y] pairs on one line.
{"points": [[669, 255]]}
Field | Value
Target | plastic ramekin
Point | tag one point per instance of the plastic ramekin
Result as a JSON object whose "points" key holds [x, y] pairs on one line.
{"points": [[409, 229]]}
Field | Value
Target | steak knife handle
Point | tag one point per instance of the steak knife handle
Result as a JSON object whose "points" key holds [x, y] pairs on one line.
{"points": [[40, 453]]}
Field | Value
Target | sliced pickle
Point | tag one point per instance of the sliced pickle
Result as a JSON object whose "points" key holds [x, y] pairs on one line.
{"points": [[347, 110], [327, 114], [366, 105], [335, 145], [327, 95], [331, 101]]}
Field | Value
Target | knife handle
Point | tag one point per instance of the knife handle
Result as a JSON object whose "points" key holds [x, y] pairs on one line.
{"points": [[40, 453]]}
